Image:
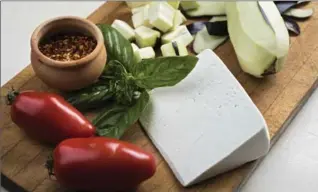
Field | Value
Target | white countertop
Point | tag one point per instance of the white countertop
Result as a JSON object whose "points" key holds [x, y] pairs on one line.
{"points": [[291, 165]]}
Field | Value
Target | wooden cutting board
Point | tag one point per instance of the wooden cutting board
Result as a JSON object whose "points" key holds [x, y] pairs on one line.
{"points": [[278, 97]]}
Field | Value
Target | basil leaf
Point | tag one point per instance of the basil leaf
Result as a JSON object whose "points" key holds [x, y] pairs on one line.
{"points": [[90, 97], [163, 71], [116, 119], [121, 83], [117, 46]]}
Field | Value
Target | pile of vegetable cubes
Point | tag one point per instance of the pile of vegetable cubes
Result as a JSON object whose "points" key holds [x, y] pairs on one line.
{"points": [[153, 22]]}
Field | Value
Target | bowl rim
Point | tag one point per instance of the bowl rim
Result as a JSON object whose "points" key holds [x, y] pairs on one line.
{"points": [[43, 59]]}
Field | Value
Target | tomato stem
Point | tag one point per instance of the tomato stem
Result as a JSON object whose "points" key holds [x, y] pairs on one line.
{"points": [[50, 165], [11, 96]]}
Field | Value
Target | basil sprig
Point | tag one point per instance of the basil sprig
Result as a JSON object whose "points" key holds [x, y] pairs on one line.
{"points": [[126, 83]]}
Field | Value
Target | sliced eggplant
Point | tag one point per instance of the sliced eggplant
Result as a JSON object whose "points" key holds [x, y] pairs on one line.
{"points": [[203, 40], [299, 13], [285, 5], [195, 27], [216, 26], [292, 26], [258, 45], [207, 8]]}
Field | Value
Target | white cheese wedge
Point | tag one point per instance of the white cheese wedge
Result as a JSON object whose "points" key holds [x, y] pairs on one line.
{"points": [[161, 15], [134, 4], [147, 53], [137, 55], [123, 28], [206, 124], [146, 37], [180, 34]]}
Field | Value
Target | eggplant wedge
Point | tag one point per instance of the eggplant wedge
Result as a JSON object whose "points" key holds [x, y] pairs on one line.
{"points": [[261, 44]]}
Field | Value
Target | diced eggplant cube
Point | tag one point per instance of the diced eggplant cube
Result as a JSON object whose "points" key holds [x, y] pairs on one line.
{"points": [[138, 9], [147, 53], [179, 19], [137, 55], [188, 5], [174, 4], [146, 37], [181, 34], [134, 4], [123, 28], [161, 15]]}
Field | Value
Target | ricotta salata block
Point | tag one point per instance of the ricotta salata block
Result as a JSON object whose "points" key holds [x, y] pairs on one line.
{"points": [[206, 124]]}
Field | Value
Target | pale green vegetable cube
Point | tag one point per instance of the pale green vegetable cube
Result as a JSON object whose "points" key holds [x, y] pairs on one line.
{"points": [[167, 50], [137, 55], [177, 49], [180, 34], [179, 19], [147, 53], [161, 15], [188, 5], [146, 37], [134, 4], [123, 28], [138, 9], [183, 51], [140, 18], [174, 4]]}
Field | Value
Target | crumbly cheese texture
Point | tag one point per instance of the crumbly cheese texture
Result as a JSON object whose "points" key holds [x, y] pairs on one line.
{"points": [[161, 15], [146, 37], [123, 28]]}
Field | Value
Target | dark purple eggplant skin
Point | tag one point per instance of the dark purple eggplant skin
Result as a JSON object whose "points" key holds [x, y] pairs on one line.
{"points": [[283, 6], [196, 27], [292, 26], [175, 47], [217, 28]]}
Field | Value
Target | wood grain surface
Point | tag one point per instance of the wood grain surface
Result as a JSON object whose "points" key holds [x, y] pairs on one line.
{"points": [[278, 97]]}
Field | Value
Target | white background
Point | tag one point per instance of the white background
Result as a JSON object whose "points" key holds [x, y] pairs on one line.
{"points": [[292, 164]]}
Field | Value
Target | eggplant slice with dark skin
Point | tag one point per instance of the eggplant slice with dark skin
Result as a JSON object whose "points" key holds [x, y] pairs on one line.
{"points": [[292, 26]]}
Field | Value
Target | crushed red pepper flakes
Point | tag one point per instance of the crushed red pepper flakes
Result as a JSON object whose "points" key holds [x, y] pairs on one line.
{"points": [[68, 47]]}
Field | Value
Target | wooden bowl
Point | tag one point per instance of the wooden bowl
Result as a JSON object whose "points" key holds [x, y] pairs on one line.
{"points": [[73, 74]]}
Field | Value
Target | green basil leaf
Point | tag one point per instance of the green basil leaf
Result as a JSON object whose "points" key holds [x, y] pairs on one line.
{"points": [[117, 46], [163, 71], [115, 119], [91, 97]]}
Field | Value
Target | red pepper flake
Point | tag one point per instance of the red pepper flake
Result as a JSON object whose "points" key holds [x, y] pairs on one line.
{"points": [[68, 47]]}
